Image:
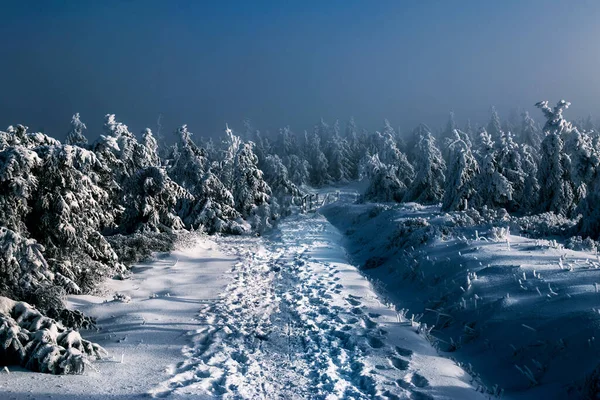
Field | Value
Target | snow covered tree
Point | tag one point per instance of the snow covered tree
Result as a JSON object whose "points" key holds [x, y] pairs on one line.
{"points": [[428, 185], [384, 184], [557, 193], [189, 161], [460, 177], [340, 165], [493, 189], [150, 201], [39, 343], [585, 160], [283, 189], [510, 164], [251, 193], [450, 127], [530, 134], [18, 183], [146, 153], [231, 147], [494, 127], [355, 146], [70, 210], [23, 268], [75, 136], [319, 166], [277, 177], [298, 170]]}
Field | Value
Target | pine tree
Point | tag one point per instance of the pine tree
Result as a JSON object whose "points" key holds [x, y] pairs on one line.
{"points": [[340, 165], [75, 136], [494, 127], [150, 201], [557, 193], [530, 134], [460, 177], [493, 189], [428, 185], [298, 170], [319, 166], [251, 193]]}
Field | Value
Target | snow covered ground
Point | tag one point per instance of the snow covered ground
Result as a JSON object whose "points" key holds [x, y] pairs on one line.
{"points": [[283, 316], [521, 313], [298, 321], [147, 333]]}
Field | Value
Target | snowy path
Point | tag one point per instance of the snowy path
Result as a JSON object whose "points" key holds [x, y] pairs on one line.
{"points": [[298, 321]]}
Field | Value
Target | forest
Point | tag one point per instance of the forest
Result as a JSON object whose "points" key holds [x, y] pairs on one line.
{"points": [[78, 212]]}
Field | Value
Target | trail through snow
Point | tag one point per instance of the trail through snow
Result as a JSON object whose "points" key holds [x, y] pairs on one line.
{"points": [[298, 321]]}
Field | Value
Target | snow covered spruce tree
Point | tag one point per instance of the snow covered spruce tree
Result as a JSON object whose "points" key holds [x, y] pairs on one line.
{"points": [[75, 136], [494, 127], [339, 159], [150, 199], [530, 133], [251, 193], [384, 185], [38, 343], [460, 177], [212, 205], [71, 209], [298, 170], [493, 189], [557, 193], [428, 185], [319, 165]]}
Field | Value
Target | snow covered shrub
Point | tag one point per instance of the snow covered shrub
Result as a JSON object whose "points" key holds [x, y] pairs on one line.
{"points": [[546, 224], [39, 343], [579, 244], [498, 234], [140, 246], [73, 319], [385, 186], [412, 232]]}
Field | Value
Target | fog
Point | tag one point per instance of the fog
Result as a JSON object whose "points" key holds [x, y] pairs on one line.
{"points": [[278, 64]]}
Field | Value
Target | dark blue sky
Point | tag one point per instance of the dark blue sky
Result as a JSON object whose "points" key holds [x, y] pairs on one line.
{"points": [[292, 62]]}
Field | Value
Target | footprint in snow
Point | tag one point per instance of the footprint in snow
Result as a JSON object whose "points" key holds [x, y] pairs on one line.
{"points": [[419, 380], [376, 343], [368, 323], [401, 351], [356, 311], [399, 363], [353, 301]]}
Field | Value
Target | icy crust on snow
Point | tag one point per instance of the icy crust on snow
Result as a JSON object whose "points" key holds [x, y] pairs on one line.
{"points": [[521, 314], [298, 321]]}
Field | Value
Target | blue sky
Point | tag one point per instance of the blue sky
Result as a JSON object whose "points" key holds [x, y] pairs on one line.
{"points": [[292, 62]]}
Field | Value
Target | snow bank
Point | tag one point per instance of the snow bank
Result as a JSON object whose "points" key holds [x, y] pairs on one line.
{"points": [[520, 313]]}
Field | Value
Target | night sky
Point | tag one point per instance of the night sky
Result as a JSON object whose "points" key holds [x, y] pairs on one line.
{"points": [[292, 62]]}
